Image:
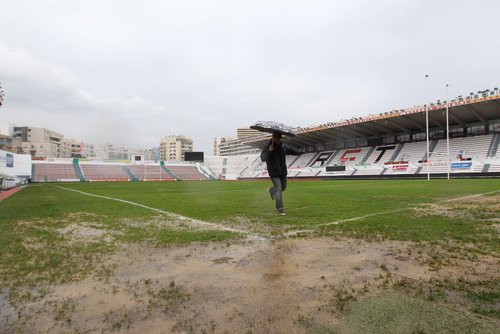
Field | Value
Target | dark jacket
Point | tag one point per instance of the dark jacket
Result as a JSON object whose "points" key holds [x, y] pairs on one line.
{"points": [[276, 160]]}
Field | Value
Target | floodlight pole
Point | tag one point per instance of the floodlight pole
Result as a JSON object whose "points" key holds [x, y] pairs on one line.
{"points": [[427, 128], [447, 133]]}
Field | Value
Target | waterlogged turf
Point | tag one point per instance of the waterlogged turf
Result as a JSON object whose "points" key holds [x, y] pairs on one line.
{"points": [[318, 201], [445, 230], [308, 204], [394, 313]]}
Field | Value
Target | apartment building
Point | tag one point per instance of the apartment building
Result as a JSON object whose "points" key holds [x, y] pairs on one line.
{"points": [[173, 147], [40, 142]]}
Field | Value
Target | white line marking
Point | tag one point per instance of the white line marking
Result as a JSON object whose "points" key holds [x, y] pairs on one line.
{"points": [[287, 234], [170, 214], [295, 233], [365, 216], [471, 196]]}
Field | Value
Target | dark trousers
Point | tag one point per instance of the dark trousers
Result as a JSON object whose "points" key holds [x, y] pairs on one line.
{"points": [[279, 185]]}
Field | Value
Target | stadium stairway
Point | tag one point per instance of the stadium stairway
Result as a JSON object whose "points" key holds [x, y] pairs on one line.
{"points": [[313, 159], [330, 159], [170, 173], [367, 155], [78, 170], [486, 167], [396, 153], [206, 172], [432, 146], [495, 142], [244, 170], [130, 174], [293, 161]]}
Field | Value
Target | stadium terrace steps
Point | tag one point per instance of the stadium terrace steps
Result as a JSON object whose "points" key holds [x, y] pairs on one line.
{"points": [[205, 171], [350, 156], [377, 155], [494, 168], [293, 161], [127, 170], [495, 142], [468, 155], [150, 172], [315, 156], [334, 154], [186, 172], [398, 150], [302, 160], [373, 169], [169, 172], [370, 151], [412, 152], [254, 169], [215, 165], [99, 172], [54, 172], [432, 146], [78, 170], [233, 168]]}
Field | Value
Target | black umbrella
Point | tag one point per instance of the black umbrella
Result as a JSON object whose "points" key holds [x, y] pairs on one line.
{"points": [[271, 126]]}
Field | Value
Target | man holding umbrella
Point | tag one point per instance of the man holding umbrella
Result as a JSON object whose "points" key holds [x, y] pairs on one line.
{"points": [[274, 154]]}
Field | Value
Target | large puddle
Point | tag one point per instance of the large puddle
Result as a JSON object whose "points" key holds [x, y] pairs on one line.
{"points": [[278, 286]]}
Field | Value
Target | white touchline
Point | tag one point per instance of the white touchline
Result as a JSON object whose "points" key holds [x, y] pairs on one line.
{"points": [[293, 233], [296, 232], [287, 234], [170, 214], [471, 196]]}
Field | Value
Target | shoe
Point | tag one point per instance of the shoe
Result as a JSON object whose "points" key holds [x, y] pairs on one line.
{"points": [[281, 212], [271, 194]]}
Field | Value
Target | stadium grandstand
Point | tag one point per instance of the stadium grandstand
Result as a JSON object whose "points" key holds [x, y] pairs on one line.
{"points": [[392, 144], [71, 170], [387, 145]]}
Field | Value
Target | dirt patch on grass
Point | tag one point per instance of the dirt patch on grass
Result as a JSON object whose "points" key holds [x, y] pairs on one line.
{"points": [[85, 232], [287, 285], [464, 208], [450, 211]]}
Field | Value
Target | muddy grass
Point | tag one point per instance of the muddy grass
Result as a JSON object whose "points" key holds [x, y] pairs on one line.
{"points": [[307, 285]]}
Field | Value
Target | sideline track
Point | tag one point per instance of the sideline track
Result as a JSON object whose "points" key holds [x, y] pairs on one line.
{"points": [[7, 193]]}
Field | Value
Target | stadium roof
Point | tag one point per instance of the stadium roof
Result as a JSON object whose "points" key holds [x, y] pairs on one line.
{"points": [[482, 107]]}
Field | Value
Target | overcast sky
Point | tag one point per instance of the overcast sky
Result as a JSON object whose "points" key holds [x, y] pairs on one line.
{"points": [[130, 72]]}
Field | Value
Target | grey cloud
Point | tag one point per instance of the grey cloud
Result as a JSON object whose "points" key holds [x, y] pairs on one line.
{"points": [[203, 68]]}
